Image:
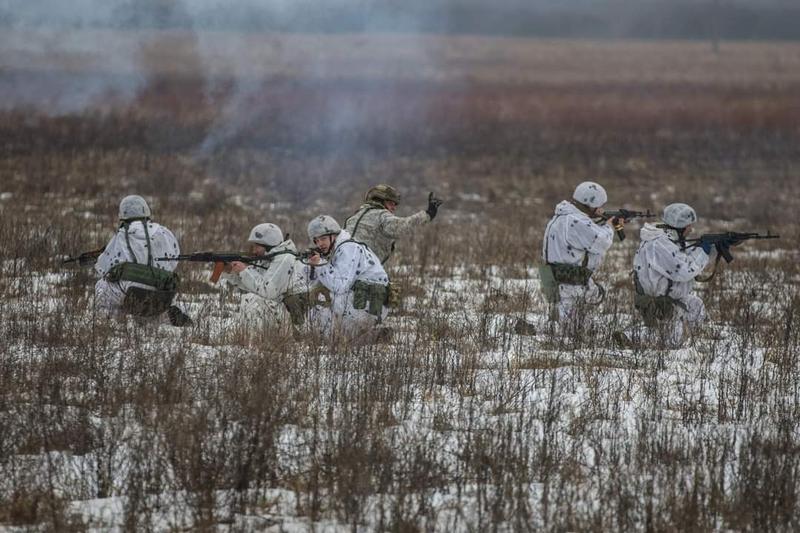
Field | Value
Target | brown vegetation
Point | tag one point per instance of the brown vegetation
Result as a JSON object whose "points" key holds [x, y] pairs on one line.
{"points": [[459, 423]]}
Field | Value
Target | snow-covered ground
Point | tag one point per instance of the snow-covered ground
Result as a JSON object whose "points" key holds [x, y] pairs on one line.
{"points": [[458, 424]]}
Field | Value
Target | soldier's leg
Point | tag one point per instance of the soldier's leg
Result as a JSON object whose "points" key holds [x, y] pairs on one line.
{"points": [[568, 297], [593, 294], [355, 325], [108, 297], [261, 312], [320, 320], [687, 319], [695, 311]]}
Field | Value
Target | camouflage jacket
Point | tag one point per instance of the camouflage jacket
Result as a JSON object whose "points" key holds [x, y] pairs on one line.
{"points": [[376, 227]]}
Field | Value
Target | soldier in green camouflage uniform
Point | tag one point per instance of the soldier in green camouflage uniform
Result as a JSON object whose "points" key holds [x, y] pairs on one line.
{"points": [[376, 225]]}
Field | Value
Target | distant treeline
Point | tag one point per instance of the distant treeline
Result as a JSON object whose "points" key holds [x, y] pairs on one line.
{"points": [[646, 19]]}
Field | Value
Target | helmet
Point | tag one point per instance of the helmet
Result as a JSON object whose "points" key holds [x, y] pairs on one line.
{"points": [[382, 193], [590, 194], [268, 235], [679, 215], [322, 225], [133, 207]]}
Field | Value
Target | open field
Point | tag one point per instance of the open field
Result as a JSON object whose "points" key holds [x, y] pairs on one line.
{"points": [[459, 423]]}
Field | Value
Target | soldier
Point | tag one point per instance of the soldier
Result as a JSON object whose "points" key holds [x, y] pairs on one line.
{"points": [[575, 242], [354, 276], [130, 282], [664, 271], [276, 291], [376, 225]]}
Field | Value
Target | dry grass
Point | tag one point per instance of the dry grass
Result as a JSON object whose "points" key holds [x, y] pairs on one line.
{"points": [[459, 423]]}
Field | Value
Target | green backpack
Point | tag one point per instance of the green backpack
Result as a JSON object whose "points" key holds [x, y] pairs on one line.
{"points": [[158, 278]]}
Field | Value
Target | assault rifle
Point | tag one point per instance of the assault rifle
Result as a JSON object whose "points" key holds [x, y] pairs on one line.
{"points": [[626, 215], [304, 255], [220, 259], [86, 258], [723, 241]]}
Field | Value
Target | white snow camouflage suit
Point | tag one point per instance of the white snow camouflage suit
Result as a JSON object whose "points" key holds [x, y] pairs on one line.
{"points": [[572, 238], [378, 228], [110, 295], [664, 269], [265, 287], [349, 262]]}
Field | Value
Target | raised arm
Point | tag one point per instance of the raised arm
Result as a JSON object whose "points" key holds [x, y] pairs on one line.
{"points": [[395, 227]]}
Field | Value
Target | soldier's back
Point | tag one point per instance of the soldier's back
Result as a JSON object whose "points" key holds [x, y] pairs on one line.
{"points": [[365, 225]]}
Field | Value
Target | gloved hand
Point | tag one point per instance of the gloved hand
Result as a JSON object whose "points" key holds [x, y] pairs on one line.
{"points": [[319, 295], [433, 206], [706, 246]]}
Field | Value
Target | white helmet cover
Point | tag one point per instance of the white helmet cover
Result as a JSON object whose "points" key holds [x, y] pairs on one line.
{"points": [[323, 225], [133, 206], [268, 235], [679, 215], [590, 194]]}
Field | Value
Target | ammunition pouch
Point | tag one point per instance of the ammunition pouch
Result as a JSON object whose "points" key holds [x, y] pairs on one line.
{"points": [[394, 296], [158, 278], [570, 274], [297, 305], [145, 302], [654, 309], [370, 297], [548, 284]]}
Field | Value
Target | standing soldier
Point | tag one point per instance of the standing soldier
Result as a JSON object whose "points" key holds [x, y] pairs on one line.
{"points": [[376, 225], [130, 282], [354, 276], [276, 292], [575, 242], [664, 271]]}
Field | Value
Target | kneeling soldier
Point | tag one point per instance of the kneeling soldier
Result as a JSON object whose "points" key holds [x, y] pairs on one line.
{"points": [[130, 282], [276, 292], [575, 242], [664, 271], [354, 276]]}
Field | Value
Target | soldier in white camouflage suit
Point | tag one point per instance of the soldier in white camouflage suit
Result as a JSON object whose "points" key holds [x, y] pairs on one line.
{"points": [[376, 225], [357, 282], [276, 288], [575, 242], [664, 270], [131, 280]]}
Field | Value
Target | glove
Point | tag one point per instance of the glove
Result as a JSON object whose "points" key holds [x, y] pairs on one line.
{"points": [[433, 206], [706, 246], [320, 295]]}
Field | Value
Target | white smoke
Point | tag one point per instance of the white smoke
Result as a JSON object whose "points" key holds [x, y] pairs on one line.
{"points": [[69, 57]]}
